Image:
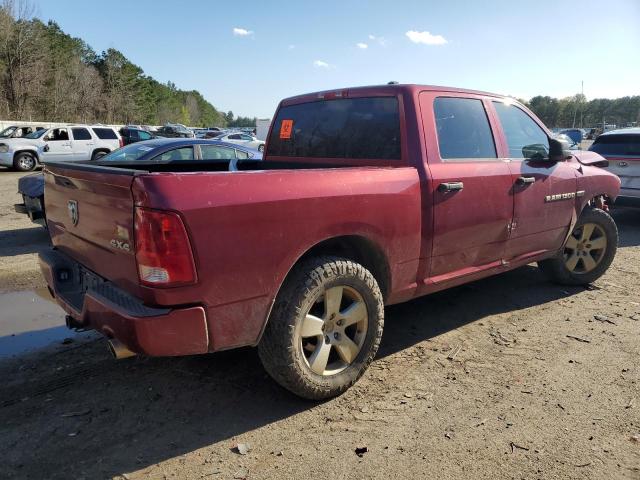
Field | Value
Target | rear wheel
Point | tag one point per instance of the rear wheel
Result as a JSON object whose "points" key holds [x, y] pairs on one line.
{"points": [[325, 328], [24, 162], [261, 148], [588, 251], [98, 155]]}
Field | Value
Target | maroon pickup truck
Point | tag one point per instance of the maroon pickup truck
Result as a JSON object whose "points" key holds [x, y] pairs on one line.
{"points": [[366, 197]]}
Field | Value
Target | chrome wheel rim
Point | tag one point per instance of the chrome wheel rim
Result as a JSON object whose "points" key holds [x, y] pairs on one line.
{"points": [[585, 248], [26, 162], [333, 330]]}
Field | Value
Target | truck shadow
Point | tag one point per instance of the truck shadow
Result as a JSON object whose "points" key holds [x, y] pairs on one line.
{"points": [[22, 241], [79, 413]]}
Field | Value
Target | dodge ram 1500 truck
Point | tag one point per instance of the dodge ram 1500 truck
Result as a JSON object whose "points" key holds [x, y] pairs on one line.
{"points": [[366, 197]]}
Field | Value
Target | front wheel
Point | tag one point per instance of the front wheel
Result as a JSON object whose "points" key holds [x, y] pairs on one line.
{"points": [[588, 251], [24, 162], [325, 328], [261, 148]]}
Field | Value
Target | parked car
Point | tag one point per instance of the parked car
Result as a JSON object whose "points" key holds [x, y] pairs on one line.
{"points": [[68, 143], [366, 196], [31, 187], [570, 143], [174, 131], [622, 149], [576, 134], [133, 135], [242, 139], [18, 131]]}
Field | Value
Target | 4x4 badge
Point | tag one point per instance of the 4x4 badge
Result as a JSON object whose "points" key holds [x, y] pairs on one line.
{"points": [[74, 215]]}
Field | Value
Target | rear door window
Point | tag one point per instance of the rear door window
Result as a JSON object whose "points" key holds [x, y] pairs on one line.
{"points": [[177, 155], [463, 129], [217, 152], [617, 145], [105, 133], [355, 128], [525, 138], [81, 134]]}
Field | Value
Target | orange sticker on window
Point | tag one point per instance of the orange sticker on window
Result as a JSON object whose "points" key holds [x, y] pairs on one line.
{"points": [[285, 129]]}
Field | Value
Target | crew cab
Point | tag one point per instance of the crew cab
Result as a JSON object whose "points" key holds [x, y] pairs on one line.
{"points": [[58, 143], [366, 197]]}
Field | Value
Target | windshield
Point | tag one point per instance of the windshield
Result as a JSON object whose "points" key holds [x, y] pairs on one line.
{"points": [[6, 133], [36, 134], [131, 152]]}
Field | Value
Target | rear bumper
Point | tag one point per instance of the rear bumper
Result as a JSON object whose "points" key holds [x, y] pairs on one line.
{"points": [[31, 207], [154, 331]]}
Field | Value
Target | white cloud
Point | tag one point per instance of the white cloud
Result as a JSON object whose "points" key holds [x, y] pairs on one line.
{"points": [[321, 64], [362, 45], [425, 37], [242, 32], [372, 37], [291, 47]]}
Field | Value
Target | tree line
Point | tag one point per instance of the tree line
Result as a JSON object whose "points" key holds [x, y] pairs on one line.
{"points": [[47, 75], [576, 111]]}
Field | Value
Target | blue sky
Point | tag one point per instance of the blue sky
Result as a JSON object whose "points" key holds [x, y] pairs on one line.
{"points": [[246, 56]]}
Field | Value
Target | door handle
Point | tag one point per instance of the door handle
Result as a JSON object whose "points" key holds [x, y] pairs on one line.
{"points": [[450, 187], [525, 180]]}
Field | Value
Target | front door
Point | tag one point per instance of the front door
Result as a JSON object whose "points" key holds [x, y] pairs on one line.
{"points": [[544, 192], [471, 186], [57, 145]]}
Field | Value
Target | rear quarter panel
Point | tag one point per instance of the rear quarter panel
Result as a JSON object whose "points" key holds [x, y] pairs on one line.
{"points": [[249, 228]]}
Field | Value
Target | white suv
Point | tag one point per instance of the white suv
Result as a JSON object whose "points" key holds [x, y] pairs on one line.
{"points": [[70, 143]]}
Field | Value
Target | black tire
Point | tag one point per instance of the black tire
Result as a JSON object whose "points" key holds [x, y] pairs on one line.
{"points": [[556, 268], [261, 148], [280, 351], [24, 162], [98, 155]]}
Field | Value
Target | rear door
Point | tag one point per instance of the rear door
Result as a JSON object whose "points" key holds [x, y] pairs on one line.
{"points": [[90, 218], [81, 143], [623, 153], [471, 193], [543, 191]]}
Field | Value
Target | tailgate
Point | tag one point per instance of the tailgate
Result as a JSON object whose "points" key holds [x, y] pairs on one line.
{"points": [[90, 218]]}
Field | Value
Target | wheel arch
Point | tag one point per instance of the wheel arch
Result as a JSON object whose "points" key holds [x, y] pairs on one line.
{"points": [[355, 247], [98, 150], [31, 151]]}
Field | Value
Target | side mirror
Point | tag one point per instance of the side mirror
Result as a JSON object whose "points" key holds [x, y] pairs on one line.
{"points": [[558, 150], [536, 152]]}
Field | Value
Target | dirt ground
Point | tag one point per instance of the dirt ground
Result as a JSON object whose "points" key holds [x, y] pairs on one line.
{"points": [[509, 377]]}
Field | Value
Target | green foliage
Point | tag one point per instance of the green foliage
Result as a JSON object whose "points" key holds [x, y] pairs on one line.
{"points": [[576, 111], [65, 80], [239, 121]]}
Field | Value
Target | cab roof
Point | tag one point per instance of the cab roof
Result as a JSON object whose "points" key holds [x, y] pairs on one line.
{"points": [[380, 90]]}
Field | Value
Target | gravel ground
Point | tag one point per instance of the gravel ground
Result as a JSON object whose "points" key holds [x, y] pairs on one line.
{"points": [[508, 377]]}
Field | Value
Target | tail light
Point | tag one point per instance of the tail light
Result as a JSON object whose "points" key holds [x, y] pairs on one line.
{"points": [[163, 250], [121, 142]]}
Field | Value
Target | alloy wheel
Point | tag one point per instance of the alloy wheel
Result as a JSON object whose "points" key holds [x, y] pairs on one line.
{"points": [[585, 248], [333, 330]]}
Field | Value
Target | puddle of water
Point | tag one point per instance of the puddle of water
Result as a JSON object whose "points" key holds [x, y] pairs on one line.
{"points": [[30, 320]]}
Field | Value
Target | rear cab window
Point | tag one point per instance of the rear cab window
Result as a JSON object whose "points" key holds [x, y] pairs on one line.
{"points": [[346, 128], [622, 145], [105, 133]]}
